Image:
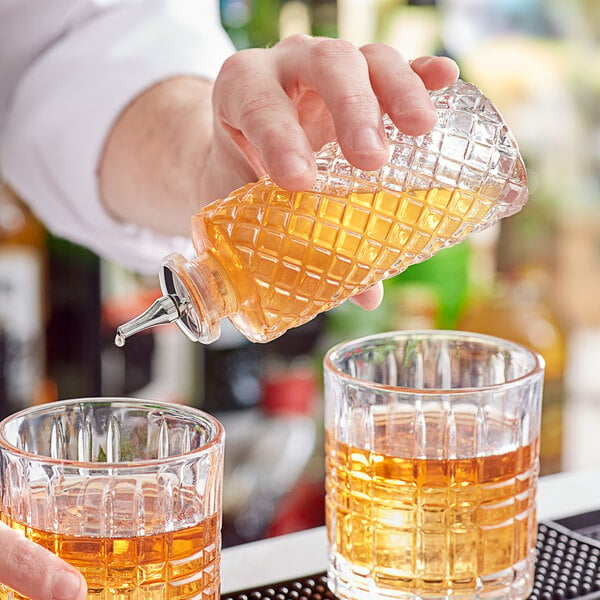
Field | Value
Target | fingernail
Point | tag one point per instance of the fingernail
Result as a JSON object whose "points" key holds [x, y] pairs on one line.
{"points": [[367, 138], [294, 163], [65, 585]]}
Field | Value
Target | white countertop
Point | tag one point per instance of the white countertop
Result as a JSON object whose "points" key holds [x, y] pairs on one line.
{"points": [[305, 552]]}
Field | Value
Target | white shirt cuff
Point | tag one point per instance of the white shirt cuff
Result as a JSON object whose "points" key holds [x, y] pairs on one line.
{"points": [[68, 100]]}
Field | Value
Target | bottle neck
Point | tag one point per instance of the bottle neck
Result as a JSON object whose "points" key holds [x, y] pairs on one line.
{"points": [[202, 290]]}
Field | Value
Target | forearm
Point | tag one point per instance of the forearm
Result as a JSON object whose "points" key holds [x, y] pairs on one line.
{"points": [[151, 163]]}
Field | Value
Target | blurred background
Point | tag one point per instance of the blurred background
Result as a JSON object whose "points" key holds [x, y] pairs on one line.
{"points": [[534, 279]]}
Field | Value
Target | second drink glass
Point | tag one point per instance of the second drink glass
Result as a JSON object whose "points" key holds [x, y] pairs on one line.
{"points": [[432, 445]]}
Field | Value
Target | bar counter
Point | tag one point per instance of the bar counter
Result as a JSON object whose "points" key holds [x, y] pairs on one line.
{"points": [[305, 552]]}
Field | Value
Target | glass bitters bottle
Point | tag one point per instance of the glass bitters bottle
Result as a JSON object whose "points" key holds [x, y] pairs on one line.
{"points": [[269, 259]]}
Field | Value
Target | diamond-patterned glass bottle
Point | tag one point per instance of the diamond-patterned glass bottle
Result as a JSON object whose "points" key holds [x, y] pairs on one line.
{"points": [[270, 260]]}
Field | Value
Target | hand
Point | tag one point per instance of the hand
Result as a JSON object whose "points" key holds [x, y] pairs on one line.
{"points": [[35, 572], [270, 110], [275, 107]]}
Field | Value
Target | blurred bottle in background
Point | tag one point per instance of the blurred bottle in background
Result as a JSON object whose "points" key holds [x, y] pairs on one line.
{"points": [[4, 408], [262, 23], [513, 300], [269, 450], [23, 304], [251, 23], [127, 371], [74, 312], [49, 311], [324, 17], [413, 27], [229, 375]]}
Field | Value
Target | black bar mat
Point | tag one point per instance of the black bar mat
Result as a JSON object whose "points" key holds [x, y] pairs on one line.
{"points": [[567, 567], [586, 524]]}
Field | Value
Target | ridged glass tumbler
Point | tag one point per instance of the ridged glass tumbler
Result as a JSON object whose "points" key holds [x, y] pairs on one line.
{"points": [[432, 445], [127, 491]]}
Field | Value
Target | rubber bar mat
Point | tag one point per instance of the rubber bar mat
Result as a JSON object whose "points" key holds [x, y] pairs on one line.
{"points": [[567, 567]]}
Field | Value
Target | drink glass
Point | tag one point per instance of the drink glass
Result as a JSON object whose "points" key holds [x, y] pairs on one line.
{"points": [[432, 446], [128, 491]]}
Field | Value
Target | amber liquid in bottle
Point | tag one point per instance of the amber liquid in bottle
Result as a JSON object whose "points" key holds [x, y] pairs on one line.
{"points": [[285, 257], [179, 564]]}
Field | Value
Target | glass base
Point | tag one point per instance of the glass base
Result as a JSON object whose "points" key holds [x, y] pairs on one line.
{"points": [[348, 582]]}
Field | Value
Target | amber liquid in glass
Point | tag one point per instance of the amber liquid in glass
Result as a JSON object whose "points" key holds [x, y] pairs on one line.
{"points": [[178, 564], [431, 528], [289, 256]]}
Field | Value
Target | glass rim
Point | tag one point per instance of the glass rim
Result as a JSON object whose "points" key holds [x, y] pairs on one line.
{"points": [[189, 411], [537, 368]]}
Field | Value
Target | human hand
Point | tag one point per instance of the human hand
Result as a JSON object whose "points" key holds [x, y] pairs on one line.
{"points": [[273, 108], [35, 572], [173, 150]]}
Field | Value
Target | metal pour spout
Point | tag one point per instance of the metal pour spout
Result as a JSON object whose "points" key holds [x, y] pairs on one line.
{"points": [[166, 309]]}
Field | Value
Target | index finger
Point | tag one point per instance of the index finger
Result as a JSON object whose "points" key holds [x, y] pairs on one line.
{"points": [[401, 88], [35, 572], [356, 85], [261, 119], [337, 70]]}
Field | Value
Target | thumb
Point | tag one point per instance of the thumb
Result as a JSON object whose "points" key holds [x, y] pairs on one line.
{"points": [[35, 572]]}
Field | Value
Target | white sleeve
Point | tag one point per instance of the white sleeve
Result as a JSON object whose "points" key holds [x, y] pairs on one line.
{"points": [[70, 93]]}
